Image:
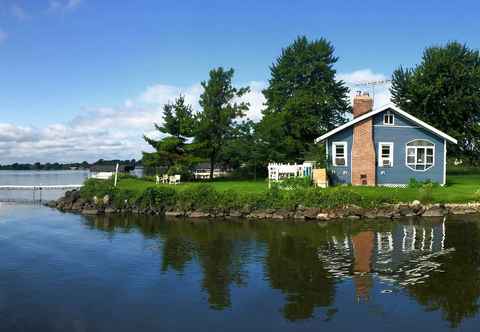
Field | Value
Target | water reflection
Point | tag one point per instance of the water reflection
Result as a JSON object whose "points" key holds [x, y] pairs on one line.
{"points": [[434, 262]]}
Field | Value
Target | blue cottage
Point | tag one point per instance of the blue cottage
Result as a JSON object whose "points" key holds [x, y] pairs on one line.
{"points": [[385, 147]]}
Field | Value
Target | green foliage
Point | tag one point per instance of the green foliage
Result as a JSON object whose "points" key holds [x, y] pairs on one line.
{"points": [[124, 198], [415, 184], [218, 196], [220, 108], [443, 91], [294, 183], [172, 151], [303, 99], [156, 197], [477, 195], [426, 193], [201, 196], [99, 188], [241, 152]]}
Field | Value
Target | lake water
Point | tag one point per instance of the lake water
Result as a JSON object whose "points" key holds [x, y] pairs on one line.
{"points": [[66, 272], [31, 178]]}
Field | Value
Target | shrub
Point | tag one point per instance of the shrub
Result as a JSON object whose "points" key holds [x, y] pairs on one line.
{"points": [[197, 197], [230, 200], [124, 198], [476, 195], [156, 197], [415, 184], [294, 183], [426, 193], [99, 188], [205, 197]]}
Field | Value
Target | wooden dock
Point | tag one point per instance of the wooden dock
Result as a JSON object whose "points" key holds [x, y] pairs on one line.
{"points": [[41, 187], [37, 188]]}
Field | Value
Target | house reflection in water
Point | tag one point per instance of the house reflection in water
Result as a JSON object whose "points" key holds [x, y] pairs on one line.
{"points": [[363, 244], [403, 256]]}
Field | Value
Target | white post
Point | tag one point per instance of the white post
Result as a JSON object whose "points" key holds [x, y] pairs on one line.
{"points": [[116, 175]]}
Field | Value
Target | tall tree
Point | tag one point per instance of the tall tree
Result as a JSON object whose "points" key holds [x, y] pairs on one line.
{"points": [[220, 107], [303, 99], [241, 151], [443, 90], [171, 150]]}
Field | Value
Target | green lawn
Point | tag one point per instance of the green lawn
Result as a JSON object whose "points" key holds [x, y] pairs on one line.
{"points": [[460, 188], [242, 186]]}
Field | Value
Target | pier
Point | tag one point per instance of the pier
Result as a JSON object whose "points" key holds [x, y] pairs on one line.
{"points": [[40, 188]]}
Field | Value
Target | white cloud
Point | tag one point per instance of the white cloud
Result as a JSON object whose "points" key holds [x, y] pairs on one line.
{"points": [[256, 99], [381, 92], [105, 132], [116, 132], [3, 36]]}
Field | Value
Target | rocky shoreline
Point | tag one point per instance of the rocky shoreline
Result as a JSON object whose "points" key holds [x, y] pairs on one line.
{"points": [[72, 202]]}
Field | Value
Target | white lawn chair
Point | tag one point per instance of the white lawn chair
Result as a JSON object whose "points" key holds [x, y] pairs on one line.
{"points": [[165, 179], [175, 179]]}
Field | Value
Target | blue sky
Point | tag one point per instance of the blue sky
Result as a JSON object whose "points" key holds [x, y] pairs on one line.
{"points": [[102, 68]]}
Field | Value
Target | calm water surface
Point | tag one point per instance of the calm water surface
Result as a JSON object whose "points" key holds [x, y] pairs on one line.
{"points": [[65, 272], [31, 178]]}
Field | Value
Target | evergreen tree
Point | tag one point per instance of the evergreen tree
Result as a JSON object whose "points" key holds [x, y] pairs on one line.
{"points": [[443, 90], [241, 151], [304, 100], [220, 107], [171, 151]]}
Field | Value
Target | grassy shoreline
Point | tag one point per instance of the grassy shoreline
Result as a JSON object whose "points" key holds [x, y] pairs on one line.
{"points": [[255, 195], [461, 188]]}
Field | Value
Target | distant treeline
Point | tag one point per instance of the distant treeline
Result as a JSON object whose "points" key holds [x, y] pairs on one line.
{"points": [[64, 166]]}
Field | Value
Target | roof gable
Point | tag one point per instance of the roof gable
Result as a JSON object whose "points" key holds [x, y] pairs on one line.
{"points": [[384, 108]]}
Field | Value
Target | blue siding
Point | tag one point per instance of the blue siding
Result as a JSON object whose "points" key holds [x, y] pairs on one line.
{"points": [[398, 121], [341, 174], [402, 132]]}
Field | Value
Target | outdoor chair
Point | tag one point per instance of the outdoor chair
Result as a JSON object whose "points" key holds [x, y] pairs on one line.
{"points": [[165, 179], [175, 179]]}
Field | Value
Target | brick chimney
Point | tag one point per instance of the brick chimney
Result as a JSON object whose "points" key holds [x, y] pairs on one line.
{"points": [[363, 148], [362, 103]]}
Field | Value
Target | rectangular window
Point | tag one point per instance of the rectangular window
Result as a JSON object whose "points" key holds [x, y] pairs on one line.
{"points": [[339, 153], [385, 154], [388, 119], [411, 156]]}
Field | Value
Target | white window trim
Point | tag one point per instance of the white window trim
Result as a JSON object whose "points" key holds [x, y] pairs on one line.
{"points": [[334, 153], [380, 159], [393, 118], [415, 147], [444, 161]]}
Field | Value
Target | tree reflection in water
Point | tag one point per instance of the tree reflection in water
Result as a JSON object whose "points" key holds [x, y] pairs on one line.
{"points": [[455, 292], [292, 266], [436, 263]]}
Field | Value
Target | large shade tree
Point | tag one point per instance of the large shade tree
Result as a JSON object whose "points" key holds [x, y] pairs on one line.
{"points": [[221, 106], [444, 90], [303, 100], [171, 150]]}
